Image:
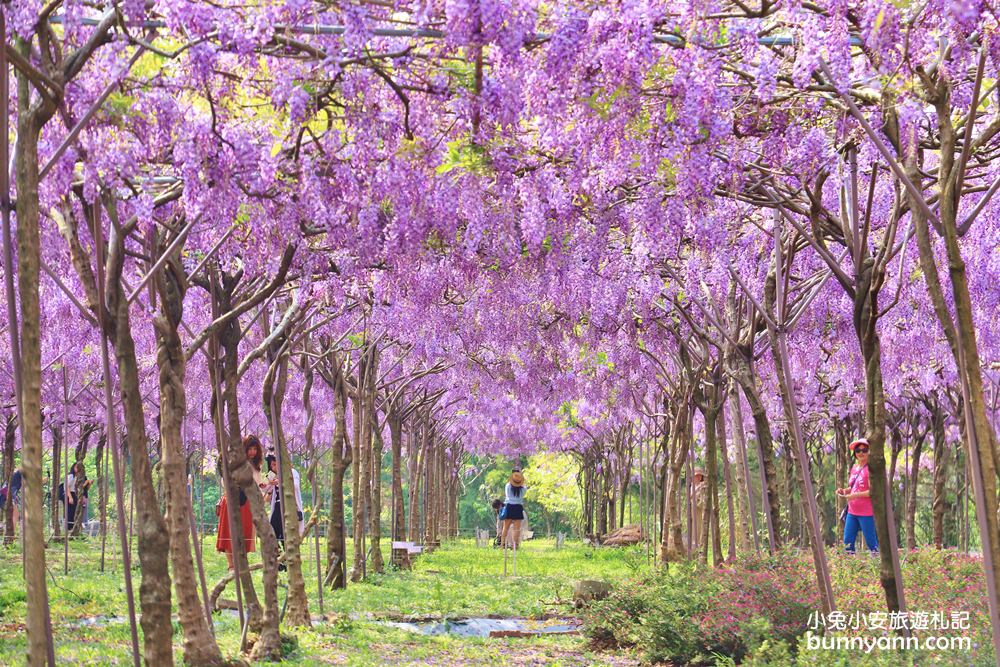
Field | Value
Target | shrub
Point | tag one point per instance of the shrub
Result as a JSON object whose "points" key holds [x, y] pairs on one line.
{"points": [[659, 612], [756, 610]]}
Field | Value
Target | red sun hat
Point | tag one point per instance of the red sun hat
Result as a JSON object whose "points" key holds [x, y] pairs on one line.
{"points": [[859, 441]]}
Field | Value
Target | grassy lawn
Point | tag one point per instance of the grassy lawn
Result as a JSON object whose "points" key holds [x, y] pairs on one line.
{"points": [[459, 580]]}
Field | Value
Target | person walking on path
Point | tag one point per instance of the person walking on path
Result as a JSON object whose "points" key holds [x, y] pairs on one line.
{"points": [[860, 514]]}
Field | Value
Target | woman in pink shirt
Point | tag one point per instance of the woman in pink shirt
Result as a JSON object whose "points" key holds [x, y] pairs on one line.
{"points": [[860, 516]]}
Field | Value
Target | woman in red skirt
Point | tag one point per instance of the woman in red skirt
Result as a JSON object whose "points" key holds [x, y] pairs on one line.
{"points": [[224, 540]]}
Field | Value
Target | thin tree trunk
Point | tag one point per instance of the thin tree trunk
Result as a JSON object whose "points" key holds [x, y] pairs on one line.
{"points": [[778, 351], [588, 515], [342, 456], [417, 444], [79, 456], [710, 515], [602, 499], [398, 511], [430, 464], [911, 501], [246, 594], [745, 495], [765, 444], [940, 473], [865, 320], [102, 487], [154, 543], [676, 450], [361, 471], [375, 504], [9, 437], [297, 609], [720, 427]]}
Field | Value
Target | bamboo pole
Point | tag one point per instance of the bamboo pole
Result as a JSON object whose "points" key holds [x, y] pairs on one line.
{"points": [[104, 500], [66, 473]]}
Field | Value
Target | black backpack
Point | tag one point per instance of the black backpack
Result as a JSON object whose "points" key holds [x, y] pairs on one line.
{"points": [[61, 493]]}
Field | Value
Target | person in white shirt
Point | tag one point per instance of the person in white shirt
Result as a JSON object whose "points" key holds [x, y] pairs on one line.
{"points": [[513, 510], [273, 492], [71, 497]]}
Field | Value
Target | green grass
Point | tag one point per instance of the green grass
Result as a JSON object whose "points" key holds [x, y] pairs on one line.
{"points": [[458, 580], [462, 580]]}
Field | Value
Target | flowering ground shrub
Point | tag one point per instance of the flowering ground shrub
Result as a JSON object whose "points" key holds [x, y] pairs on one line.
{"points": [[758, 599], [757, 610]]}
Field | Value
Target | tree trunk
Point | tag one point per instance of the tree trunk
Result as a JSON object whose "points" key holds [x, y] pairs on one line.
{"points": [[445, 477], [865, 321], [199, 642], [230, 490], [30, 120], [710, 516], [154, 542], [362, 468], [336, 545], [895, 447], [789, 483], [911, 501], [842, 466], [297, 603], [940, 473], [602, 498], [102, 485], [430, 493], [398, 510], [9, 433], [588, 514], [762, 431], [727, 474], [455, 486], [416, 445], [748, 512], [375, 504], [961, 333], [676, 449], [781, 361]]}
